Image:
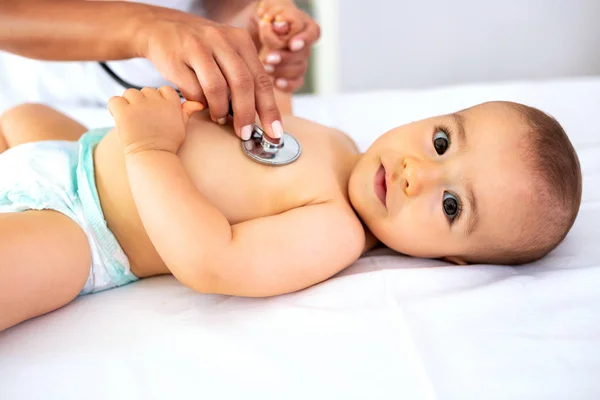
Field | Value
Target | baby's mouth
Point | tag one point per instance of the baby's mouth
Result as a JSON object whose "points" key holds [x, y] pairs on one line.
{"points": [[380, 185]]}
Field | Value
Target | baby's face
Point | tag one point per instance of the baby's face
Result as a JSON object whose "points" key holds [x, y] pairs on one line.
{"points": [[448, 186]]}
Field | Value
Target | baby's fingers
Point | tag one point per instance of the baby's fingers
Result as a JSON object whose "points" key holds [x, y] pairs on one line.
{"points": [[189, 108], [133, 95], [115, 105], [150, 93], [170, 94]]}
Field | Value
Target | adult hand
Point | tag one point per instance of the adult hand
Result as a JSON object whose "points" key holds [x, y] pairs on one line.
{"points": [[208, 61], [205, 60], [287, 35]]}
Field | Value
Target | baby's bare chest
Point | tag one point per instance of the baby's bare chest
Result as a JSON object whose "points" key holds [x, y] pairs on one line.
{"points": [[244, 189]]}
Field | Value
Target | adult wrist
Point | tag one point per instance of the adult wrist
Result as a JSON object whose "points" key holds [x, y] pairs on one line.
{"points": [[140, 23]]}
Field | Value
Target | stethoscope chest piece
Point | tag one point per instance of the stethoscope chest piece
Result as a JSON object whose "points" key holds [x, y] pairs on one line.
{"points": [[259, 147], [267, 151]]}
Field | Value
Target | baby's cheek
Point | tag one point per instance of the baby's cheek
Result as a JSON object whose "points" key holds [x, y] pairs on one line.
{"points": [[406, 225], [419, 232]]}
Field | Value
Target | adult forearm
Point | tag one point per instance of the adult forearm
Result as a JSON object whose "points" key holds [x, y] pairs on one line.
{"points": [[69, 30]]}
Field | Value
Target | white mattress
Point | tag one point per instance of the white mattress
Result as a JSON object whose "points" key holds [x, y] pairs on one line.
{"points": [[388, 327]]}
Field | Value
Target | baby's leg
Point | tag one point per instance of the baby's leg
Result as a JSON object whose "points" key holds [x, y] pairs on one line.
{"points": [[44, 255], [44, 263], [3, 145], [35, 122]]}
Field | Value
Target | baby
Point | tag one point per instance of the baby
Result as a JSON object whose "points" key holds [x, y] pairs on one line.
{"points": [[169, 191]]}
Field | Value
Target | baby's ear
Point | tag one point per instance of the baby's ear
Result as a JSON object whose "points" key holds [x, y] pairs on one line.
{"points": [[455, 260]]}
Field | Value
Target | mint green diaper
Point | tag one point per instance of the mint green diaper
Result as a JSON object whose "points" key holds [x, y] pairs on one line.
{"points": [[59, 175]]}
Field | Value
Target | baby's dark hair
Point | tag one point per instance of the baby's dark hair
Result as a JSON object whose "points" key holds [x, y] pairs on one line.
{"points": [[557, 180]]}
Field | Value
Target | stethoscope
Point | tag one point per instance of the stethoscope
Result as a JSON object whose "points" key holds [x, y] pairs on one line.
{"points": [[260, 147]]}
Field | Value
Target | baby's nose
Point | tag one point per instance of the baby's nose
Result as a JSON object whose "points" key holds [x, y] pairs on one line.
{"points": [[419, 175]]}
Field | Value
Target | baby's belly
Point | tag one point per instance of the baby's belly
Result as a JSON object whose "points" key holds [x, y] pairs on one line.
{"points": [[241, 188]]}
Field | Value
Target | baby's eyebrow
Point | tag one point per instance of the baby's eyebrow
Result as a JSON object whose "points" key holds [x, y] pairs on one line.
{"points": [[459, 121]]}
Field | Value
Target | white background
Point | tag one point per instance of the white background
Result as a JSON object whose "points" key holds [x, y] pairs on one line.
{"points": [[384, 44]]}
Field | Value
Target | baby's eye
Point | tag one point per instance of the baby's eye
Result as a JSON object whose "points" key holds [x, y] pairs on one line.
{"points": [[451, 206], [441, 141]]}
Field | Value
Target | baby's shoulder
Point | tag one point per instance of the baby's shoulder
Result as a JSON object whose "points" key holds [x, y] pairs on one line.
{"points": [[323, 148], [336, 219], [316, 130]]}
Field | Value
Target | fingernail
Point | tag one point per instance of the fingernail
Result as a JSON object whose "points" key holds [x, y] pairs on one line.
{"points": [[269, 68], [274, 58], [279, 24], [246, 132], [278, 18], [281, 83], [222, 121], [262, 22], [277, 129], [297, 44]]}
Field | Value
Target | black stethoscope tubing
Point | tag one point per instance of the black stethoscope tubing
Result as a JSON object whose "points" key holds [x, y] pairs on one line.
{"points": [[123, 82]]}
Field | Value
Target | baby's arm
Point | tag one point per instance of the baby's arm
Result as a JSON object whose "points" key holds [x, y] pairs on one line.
{"points": [[262, 257]]}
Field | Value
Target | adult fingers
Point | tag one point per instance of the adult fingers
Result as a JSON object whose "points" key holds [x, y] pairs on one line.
{"points": [[293, 85], [305, 38], [266, 106], [289, 85], [290, 71], [281, 27], [296, 21], [212, 81], [282, 57], [187, 82], [268, 36], [241, 84]]}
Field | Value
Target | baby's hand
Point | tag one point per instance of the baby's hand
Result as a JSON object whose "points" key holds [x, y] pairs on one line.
{"points": [[151, 119], [286, 35]]}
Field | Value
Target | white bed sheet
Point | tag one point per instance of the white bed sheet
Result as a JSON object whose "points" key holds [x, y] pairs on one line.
{"points": [[388, 327]]}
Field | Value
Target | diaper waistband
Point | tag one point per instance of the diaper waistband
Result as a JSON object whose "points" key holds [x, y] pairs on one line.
{"points": [[113, 255]]}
